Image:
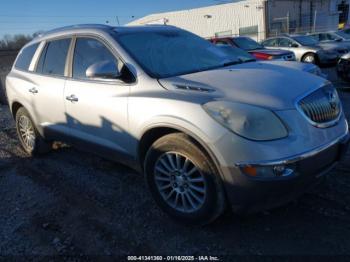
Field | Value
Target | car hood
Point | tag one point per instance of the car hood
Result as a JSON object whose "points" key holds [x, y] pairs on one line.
{"points": [[274, 52], [332, 45], [262, 84]]}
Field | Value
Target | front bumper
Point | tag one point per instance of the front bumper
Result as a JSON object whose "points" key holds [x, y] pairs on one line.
{"points": [[328, 59], [247, 194]]}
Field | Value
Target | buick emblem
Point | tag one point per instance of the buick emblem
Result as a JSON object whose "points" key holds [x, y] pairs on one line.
{"points": [[332, 99]]}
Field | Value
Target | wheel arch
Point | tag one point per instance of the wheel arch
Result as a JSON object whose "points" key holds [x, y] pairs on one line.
{"points": [[154, 133], [14, 108]]}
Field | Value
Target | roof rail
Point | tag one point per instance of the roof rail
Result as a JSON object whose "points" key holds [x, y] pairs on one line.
{"points": [[79, 26]]}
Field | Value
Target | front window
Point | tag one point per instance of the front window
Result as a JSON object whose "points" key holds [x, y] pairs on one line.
{"points": [[305, 40], [285, 42], [247, 43], [171, 52], [89, 51], [270, 42]]}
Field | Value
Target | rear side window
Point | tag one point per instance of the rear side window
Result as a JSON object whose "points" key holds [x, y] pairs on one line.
{"points": [[53, 58], [25, 57], [87, 52]]}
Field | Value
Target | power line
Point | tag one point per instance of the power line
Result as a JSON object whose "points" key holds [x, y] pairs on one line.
{"points": [[64, 16]]}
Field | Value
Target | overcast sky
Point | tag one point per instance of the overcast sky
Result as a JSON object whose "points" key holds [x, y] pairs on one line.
{"points": [[29, 16]]}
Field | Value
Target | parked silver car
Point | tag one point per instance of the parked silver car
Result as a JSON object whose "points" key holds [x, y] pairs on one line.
{"points": [[337, 38], [306, 48], [207, 129], [242, 54]]}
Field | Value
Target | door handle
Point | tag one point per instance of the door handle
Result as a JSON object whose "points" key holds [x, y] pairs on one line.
{"points": [[33, 90], [72, 98]]}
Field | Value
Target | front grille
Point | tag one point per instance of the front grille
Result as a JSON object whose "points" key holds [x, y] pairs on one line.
{"points": [[322, 107]]}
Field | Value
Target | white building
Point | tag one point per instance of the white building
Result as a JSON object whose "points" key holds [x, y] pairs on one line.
{"points": [[256, 18]]}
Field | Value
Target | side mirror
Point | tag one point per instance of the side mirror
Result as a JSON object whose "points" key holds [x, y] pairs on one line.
{"points": [[104, 69], [294, 45], [339, 40]]}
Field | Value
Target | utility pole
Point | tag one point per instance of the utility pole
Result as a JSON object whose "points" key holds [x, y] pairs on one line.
{"points": [[118, 20], [315, 19]]}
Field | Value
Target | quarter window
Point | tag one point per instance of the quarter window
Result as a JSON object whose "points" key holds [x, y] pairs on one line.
{"points": [[25, 57], [53, 58], [87, 52]]}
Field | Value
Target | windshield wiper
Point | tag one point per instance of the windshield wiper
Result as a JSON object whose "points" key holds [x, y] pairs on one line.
{"points": [[235, 62], [239, 61], [249, 60]]}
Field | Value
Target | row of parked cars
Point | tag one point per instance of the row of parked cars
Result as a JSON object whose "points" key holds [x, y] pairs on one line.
{"points": [[326, 48]]}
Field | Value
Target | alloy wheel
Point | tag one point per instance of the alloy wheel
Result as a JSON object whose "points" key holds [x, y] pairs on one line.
{"points": [[26, 131], [180, 183], [309, 59]]}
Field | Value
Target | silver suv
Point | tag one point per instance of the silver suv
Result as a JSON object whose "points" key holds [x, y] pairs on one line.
{"points": [[208, 129]]}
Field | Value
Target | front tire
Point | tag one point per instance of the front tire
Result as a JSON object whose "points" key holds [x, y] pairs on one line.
{"points": [[183, 180], [309, 58], [31, 140]]}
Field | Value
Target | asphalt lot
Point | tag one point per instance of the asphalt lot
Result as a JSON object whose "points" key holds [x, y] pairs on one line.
{"points": [[72, 203]]}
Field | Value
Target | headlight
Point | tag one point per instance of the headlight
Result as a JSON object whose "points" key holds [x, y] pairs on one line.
{"points": [[248, 121]]}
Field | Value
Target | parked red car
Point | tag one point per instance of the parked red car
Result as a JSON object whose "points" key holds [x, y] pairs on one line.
{"points": [[254, 48]]}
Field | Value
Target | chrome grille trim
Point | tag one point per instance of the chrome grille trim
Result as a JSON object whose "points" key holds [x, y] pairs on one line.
{"points": [[322, 107]]}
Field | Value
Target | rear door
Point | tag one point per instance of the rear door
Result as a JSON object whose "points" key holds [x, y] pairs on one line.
{"points": [[49, 82], [97, 108]]}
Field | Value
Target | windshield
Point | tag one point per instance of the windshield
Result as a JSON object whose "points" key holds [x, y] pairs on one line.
{"points": [[305, 40], [241, 55], [171, 52], [247, 43], [342, 34], [334, 37]]}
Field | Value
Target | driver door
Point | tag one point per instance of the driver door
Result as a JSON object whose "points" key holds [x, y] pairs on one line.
{"points": [[96, 109]]}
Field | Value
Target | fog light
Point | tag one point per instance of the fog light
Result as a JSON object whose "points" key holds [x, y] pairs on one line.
{"points": [[268, 171]]}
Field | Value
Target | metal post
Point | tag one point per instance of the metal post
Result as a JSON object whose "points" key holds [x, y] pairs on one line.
{"points": [[288, 23], [300, 16], [315, 19], [118, 20]]}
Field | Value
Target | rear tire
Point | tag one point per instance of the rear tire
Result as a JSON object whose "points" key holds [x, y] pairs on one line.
{"points": [[3, 98], [31, 140], [184, 181]]}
